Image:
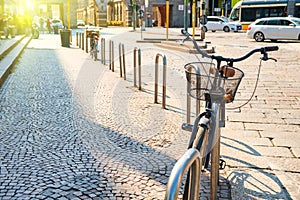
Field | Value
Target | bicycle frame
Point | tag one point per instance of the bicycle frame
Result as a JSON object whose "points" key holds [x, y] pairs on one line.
{"points": [[209, 133], [94, 46]]}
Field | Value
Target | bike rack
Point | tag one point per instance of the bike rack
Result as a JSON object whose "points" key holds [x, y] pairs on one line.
{"points": [[122, 55], [190, 160], [164, 79], [111, 56], [134, 67]]}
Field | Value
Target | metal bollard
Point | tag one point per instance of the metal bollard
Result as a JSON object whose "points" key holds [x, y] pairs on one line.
{"points": [[110, 49], [82, 40], [79, 41], [134, 67], [164, 80], [124, 67], [140, 68], [86, 44], [103, 51], [111, 56], [120, 58], [76, 38]]}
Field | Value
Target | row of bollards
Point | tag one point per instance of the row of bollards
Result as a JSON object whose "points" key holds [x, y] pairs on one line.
{"points": [[83, 43]]}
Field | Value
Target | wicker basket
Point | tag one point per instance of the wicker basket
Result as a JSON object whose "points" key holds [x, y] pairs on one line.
{"points": [[203, 78]]}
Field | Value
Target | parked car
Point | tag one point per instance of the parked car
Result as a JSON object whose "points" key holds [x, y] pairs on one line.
{"points": [[57, 23], [215, 23], [80, 22], [274, 28]]}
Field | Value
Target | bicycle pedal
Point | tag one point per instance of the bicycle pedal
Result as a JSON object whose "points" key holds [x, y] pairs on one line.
{"points": [[222, 164]]}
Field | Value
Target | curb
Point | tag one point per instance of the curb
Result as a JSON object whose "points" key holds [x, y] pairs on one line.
{"points": [[11, 57], [14, 44]]}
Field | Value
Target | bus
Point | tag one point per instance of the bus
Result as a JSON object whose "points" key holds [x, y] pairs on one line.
{"points": [[247, 11]]}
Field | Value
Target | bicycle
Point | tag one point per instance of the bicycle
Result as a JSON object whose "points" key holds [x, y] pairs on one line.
{"points": [[94, 45], [216, 85]]}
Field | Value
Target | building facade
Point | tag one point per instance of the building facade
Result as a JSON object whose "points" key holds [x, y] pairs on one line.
{"points": [[92, 12], [47, 9], [126, 12]]}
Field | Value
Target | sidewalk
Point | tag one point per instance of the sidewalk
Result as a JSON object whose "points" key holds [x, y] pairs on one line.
{"points": [[257, 143], [136, 142], [138, 127]]}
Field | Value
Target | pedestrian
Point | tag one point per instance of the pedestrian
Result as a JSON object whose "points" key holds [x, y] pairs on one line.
{"points": [[49, 26]]}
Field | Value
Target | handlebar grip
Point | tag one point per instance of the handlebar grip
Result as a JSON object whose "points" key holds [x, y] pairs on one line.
{"points": [[272, 48]]}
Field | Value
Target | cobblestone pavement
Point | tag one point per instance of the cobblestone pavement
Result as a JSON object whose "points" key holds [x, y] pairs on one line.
{"points": [[259, 141], [72, 129], [93, 135]]}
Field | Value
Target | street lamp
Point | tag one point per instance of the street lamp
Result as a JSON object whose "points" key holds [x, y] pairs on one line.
{"points": [[134, 13], [69, 14], [186, 14]]}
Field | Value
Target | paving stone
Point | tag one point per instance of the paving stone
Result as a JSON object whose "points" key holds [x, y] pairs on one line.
{"points": [[274, 151]]}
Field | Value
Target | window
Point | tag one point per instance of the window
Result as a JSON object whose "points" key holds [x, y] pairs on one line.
{"points": [[262, 22], [285, 22], [249, 14], [212, 19], [274, 22], [296, 21]]}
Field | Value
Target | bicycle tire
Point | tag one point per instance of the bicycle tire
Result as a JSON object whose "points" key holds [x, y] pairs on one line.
{"points": [[199, 142], [91, 53]]}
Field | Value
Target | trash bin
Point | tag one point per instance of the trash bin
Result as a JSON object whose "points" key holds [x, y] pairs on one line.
{"points": [[65, 35], [55, 29]]}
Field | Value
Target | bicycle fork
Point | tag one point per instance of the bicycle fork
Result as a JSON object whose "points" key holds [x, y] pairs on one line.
{"points": [[211, 121]]}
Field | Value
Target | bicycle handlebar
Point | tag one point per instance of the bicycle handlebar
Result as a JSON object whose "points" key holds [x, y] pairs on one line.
{"points": [[272, 48], [262, 50]]}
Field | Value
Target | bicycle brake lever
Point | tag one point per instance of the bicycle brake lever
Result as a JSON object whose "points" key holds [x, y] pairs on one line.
{"points": [[273, 59], [266, 57]]}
